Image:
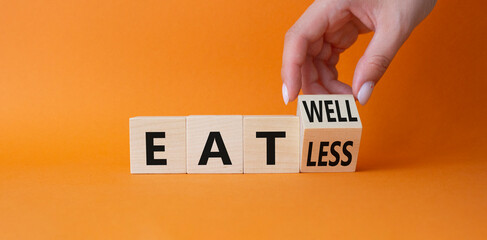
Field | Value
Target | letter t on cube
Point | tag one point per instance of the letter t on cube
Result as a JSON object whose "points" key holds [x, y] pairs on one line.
{"points": [[271, 144]]}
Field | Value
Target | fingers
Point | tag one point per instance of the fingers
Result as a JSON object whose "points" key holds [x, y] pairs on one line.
{"points": [[328, 77], [375, 61], [293, 58], [325, 52], [333, 60], [360, 26], [321, 76], [344, 37], [315, 48], [297, 45], [311, 83]]}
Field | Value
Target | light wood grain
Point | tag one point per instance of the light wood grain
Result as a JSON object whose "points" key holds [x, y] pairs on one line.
{"points": [[328, 138], [198, 130], [174, 143], [286, 148]]}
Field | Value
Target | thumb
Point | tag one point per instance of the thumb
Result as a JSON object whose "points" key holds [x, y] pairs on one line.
{"points": [[373, 64]]}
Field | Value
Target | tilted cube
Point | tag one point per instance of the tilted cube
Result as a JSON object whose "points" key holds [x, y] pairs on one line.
{"points": [[330, 130]]}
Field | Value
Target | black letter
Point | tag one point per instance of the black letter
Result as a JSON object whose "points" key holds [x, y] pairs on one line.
{"points": [[271, 144], [340, 118], [350, 118], [150, 148], [309, 163], [347, 153], [319, 114], [207, 153], [322, 153], [328, 111], [335, 153]]}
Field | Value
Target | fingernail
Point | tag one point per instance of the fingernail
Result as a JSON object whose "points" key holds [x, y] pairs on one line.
{"points": [[285, 96], [365, 92]]}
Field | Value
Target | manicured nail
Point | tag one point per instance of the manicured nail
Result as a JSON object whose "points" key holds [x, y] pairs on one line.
{"points": [[285, 97], [365, 92]]}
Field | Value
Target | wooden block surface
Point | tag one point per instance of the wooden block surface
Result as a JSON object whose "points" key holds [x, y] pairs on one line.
{"points": [[214, 144], [330, 130], [158, 145], [271, 144]]}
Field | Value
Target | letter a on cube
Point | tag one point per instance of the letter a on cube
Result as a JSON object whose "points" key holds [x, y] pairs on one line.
{"points": [[158, 145], [214, 144], [330, 130]]}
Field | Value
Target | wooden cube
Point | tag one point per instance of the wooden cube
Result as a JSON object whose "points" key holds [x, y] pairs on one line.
{"points": [[330, 130], [271, 144], [214, 144], [158, 145]]}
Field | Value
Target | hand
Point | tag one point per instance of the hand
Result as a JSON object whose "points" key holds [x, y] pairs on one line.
{"points": [[313, 45]]}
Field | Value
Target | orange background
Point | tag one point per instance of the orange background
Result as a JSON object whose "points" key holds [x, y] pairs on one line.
{"points": [[73, 73]]}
